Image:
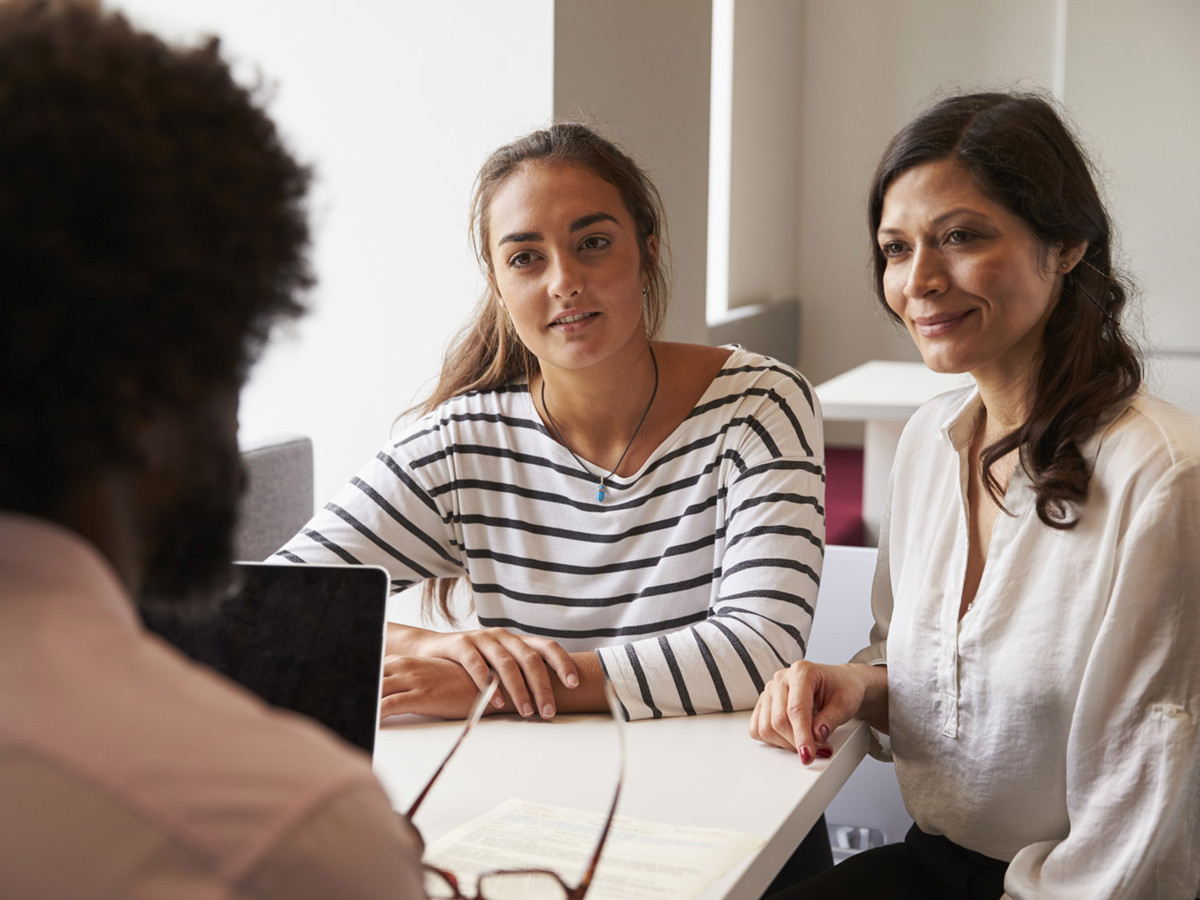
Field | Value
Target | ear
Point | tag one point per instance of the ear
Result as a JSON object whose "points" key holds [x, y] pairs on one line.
{"points": [[652, 248], [651, 251], [1070, 255]]}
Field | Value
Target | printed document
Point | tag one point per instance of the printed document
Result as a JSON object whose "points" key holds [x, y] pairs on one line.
{"points": [[641, 861]]}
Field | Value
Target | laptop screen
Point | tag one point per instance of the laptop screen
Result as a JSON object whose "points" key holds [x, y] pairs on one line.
{"points": [[303, 637]]}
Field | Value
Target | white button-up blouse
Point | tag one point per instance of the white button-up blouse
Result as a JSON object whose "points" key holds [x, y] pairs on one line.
{"points": [[1056, 724]]}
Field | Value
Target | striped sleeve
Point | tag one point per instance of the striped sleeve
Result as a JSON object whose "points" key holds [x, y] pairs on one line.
{"points": [[766, 574], [384, 516]]}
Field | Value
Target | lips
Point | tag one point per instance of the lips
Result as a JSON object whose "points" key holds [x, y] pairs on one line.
{"points": [[939, 323], [573, 318]]}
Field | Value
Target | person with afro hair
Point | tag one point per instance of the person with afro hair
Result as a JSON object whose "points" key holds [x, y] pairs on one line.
{"points": [[153, 228]]}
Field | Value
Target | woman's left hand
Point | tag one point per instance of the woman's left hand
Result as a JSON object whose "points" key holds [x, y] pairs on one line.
{"points": [[426, 686], [525, 664]]}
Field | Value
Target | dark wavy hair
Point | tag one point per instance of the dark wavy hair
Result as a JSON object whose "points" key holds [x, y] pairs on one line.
{"points": [[1021, 154], [153, 227]]}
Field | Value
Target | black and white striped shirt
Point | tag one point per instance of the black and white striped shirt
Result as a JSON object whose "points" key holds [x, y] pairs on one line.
{"points": [[695, 579]]}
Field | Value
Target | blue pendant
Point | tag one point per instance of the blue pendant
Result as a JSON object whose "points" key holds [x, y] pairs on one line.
{"points": [[600, 493]]}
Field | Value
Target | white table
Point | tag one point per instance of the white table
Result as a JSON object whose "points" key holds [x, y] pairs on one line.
{"points": [[882, 395], [701, 771]]}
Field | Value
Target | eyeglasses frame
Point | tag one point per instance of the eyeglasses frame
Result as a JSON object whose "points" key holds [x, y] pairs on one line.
{"points": [[473, 717]]}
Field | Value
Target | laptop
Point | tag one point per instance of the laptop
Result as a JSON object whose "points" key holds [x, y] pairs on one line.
{"points": [[308, 638]]}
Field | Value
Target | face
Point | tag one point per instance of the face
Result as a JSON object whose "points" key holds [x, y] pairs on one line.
{"points": [[567, 267], [196, 491], [968, 278]]}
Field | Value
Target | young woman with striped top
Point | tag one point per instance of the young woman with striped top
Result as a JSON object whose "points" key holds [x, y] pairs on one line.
{"points": [[622, 508]]}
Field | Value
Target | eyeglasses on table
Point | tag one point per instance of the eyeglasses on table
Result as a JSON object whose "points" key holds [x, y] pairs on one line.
{"points": [[524, 883]]}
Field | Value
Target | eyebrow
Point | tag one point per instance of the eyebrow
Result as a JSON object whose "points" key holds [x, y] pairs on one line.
{"points": [[520, 237], [585, 221], [950, 214]]}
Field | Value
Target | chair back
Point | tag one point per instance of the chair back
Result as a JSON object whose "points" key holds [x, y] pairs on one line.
{"points": [[278, 499], [842, 625]]}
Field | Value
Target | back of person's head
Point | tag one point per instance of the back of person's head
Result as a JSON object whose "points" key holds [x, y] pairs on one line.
{"points": [[1020, 153], [487, 353], [152, 229]]}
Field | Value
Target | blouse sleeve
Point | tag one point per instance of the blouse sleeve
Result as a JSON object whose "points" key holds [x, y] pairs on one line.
{"points": [[385, 516], [882, 606], [761, 610], [1133, 752]]}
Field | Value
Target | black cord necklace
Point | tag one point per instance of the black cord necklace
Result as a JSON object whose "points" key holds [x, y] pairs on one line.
{"points": [[601, 490]]}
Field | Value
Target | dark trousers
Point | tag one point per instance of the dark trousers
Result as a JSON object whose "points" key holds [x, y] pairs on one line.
{"points": [[924, 866]]}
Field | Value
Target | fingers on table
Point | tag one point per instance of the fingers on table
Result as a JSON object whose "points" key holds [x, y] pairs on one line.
{"points": [[521, 669], [761, 727], [523, 665], [784, 715], [558, 659]]}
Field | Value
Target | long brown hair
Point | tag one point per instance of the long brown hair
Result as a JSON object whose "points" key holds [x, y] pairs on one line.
{"points": [[487, 353], [1020, 153]]}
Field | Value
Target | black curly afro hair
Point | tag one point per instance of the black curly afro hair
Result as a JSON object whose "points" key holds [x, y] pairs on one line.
{"points": [[153, 228]]}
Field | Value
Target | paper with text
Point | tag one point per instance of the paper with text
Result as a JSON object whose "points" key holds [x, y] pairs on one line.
{"points": [[642, 860]]}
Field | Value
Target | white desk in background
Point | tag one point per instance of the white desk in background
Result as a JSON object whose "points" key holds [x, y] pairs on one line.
{"points": [[699, 771], [881, 395]]}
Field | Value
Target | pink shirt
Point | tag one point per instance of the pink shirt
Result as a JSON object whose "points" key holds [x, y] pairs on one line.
{"points": [[128, 771]]}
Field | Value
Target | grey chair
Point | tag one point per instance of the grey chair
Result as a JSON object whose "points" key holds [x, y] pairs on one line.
{"points": [[278, 499]]}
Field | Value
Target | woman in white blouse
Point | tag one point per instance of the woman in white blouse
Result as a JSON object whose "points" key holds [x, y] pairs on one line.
{"points": [[1034, 669]]}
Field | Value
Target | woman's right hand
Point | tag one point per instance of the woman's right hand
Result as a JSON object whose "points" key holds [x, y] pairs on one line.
{"points": [[802, 704], [522, 662]]}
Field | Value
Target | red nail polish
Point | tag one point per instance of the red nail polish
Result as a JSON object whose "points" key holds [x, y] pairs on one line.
{"points": [[823, 733], [805, 755], [824, 752]]}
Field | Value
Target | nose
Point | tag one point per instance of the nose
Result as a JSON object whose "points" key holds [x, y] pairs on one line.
{"points": [[566, 278], [926, 274]]}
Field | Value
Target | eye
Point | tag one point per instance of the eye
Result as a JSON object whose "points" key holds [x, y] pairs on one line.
{"points": [[892, 249], [594, 242], [959, 236], [520, 259]]}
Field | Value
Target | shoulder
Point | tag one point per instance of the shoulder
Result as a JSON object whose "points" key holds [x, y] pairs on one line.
{"points": [[507, 400], [170, 743], [1153, 426], [747, 372], [131, 730], [473, 415], [760, 405], [1147, 440]]}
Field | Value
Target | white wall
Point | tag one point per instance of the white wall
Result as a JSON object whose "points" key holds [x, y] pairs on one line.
{"points": [[639, 71], [1132, 78], [397, 104], [765, 146]]}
